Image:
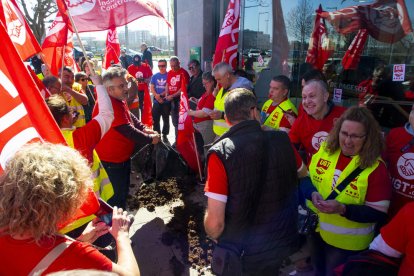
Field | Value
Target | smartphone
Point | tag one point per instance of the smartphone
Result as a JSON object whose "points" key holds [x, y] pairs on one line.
{"points": [[104, 212]]}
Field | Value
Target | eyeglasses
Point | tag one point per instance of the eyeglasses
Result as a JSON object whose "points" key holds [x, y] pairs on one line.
{"points": [[82, 79], [122, 86], [162, 65], [353, 137]]}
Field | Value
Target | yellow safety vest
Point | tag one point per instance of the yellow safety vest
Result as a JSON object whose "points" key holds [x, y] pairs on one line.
{"points": [[81, 121], [220, 126], [102, 185], [274, 119], [335, 229]]}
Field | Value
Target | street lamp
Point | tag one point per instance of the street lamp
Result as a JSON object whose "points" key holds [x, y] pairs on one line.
{"points": [[258, 27]]}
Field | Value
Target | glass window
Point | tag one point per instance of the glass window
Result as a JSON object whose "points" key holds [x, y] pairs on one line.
{"points": [[347, 86]]}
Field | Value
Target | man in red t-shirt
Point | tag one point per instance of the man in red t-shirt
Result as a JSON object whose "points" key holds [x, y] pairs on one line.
{"points": [[313, 125], [400, 158], [175, 77], [396, 239], [126, 132], [142, 73]]}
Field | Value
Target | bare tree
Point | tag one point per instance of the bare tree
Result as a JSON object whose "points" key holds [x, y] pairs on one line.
{"points": [[299, 22], [36, 13]]}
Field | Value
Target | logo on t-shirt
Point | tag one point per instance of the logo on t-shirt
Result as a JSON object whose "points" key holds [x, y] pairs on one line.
{"points": [[318, 138], [175, 80], [405, 166], [139, 75]]}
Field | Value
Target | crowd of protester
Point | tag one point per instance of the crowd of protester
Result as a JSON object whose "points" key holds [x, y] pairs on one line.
{"points": [[261, 166]]}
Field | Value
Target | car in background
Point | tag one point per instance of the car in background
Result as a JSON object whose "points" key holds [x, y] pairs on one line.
{"points": [[77, 53], [132, 53], [255, 53], [155, 50]]}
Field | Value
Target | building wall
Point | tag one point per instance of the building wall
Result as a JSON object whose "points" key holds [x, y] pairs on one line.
{"points": [[196, 25]]}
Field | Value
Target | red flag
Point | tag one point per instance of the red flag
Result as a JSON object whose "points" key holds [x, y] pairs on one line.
{"points": [[353, 54], [93, 15], [146, 117], [228, 41], [320, 46], [43, 90], [185, 141], [113, 49], [18, 29], [385, 20], [24, 116], [57, 44]]}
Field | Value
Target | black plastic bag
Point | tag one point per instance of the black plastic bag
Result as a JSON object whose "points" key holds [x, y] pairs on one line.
{"points": [[159, 161], [143, 162], [168, 162]]}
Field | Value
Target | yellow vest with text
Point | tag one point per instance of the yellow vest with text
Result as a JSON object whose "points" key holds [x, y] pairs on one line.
{"points": [[274, 119], [101, 184], [220, 126], [81, 121], [335, 229]]}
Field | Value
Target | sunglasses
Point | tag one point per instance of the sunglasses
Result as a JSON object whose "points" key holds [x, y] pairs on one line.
{"points": [[82, 79], [191, 67], [162, 66]]}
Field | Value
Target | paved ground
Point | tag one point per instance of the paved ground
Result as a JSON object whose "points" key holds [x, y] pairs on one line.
{"points": [[152, 255]]}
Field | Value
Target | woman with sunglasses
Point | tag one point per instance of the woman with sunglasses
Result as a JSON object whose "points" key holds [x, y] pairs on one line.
{"points": [[348, 188], [89, 89]]}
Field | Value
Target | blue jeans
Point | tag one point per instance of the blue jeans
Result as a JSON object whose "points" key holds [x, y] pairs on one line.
{"points": [[175, 109], [158, 111], [119, 174], [326, 257]]}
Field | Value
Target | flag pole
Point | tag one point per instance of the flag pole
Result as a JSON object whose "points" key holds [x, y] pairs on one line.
{"points": [[80, 43], [198, 159]]}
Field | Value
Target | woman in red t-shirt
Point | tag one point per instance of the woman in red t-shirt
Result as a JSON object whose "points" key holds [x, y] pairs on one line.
{"points": [[202, 121], [43, 186]]}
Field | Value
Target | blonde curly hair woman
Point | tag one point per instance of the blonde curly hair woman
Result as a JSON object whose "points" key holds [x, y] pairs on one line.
{"points": [[43, 185]]}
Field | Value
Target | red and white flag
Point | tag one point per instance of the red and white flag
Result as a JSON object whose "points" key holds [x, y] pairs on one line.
{"points": [[24, 116], [98, 15], [228, 41], [42, 88], [58, 46], [19, 31], [385, 20], [320, 46], [353, 54], [113, 49], [146, 117], [185, 137]]}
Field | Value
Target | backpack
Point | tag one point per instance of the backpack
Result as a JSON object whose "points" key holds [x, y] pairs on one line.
{"points": [[369, 262]]}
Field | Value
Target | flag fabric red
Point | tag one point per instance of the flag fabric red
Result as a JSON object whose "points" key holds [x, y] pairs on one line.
{"points": [[385, 20], [58, 43], [19, 31], [228, 41], [113, 49], [24, 116], [43, 90], [185, 141], [146, 117], [320, 46], [93, 15], [353, 54]]}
